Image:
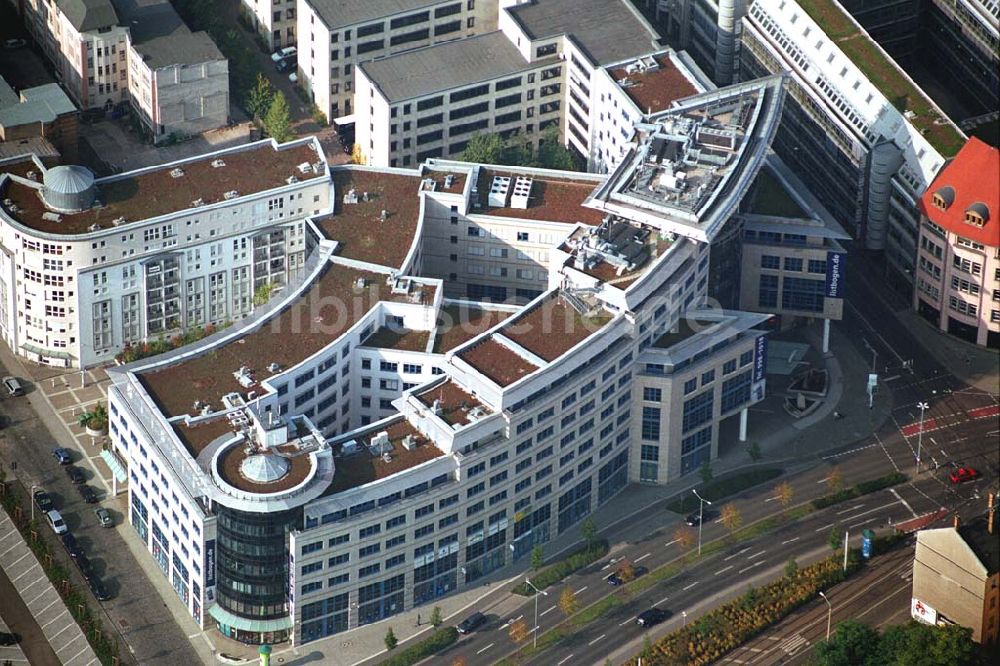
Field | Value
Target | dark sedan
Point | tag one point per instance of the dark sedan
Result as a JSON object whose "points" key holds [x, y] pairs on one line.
{"points": [[75, 475]]}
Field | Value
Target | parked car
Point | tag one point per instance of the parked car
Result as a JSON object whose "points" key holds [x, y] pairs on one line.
{"points": [[287, 64], [7, 638], [42, 500], [471, 623], [16, 43], [695, 518], [97, 587], [287, 52], [61, 455], [13, 385], [963, 474], [648, 618], [88, 494], [86, 568], [72, 545], [56, 522], [75, 475], [104, 517]]}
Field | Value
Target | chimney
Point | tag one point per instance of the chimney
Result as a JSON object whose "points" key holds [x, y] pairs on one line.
{"points": [[957, 521], [991, 510]]}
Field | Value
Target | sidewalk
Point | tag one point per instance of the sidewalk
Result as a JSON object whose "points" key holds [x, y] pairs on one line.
{"points": [[41, 598], [974, 365]]}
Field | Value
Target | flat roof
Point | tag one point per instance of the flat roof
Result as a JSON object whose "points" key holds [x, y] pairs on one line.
{"points": [[654, 90], [230, 463], [337, 13], [162, 37], [314, 320], [455, 402], [396, 338], [358, 227], [196, 437], [552, 328], [769, 197], [885, 74], [609, 31], [551, 199], [363, 467], [457, 325], [41, 104], [418, 72], [151, 193], [499, 363], [680, 332]]}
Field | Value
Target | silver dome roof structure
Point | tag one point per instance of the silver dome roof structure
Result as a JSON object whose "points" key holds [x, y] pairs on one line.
{"points": [[264, 468], [69, 188]]}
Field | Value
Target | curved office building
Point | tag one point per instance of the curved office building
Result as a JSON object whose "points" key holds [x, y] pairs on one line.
{"points": [[472, 360]]}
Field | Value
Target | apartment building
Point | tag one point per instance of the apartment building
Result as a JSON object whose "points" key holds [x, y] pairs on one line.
{"points": [[334, 36], [273, 20], [956, 577], [958, 263], [42, 111], [865, 142], [89, 266], [109, 52], [387, 445], [592, 71]]}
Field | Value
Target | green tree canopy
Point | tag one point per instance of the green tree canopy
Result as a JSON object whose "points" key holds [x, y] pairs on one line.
{"points": [[911, 644], [484, 148], [277, 122], [259, 98]]}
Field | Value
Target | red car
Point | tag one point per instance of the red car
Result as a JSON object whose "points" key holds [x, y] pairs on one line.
{"points": [[963, 474]]}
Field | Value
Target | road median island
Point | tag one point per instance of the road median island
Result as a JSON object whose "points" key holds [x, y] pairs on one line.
{"points": [[863, 488], [559, 570], [436, 642], [718, 489]]}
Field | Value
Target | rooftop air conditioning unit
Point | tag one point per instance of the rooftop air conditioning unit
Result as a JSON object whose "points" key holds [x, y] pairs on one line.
{"points": [[176, 173], [217, 163], [305, 167], [198, 202], [387, 457], [291, 180], [449, 180], [409, 442], [436, 408], [94, 227], [231, 194], [360, 283], [273, 367], [118, 220]]}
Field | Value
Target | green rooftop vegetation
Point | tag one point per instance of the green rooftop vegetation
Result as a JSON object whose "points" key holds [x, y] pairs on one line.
{"points": [[885, 75], [771, 198]]}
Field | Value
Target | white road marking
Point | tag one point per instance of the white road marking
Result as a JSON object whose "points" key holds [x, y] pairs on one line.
{"points": [[755, 564], [670, 543], [825, 527], [770, 499], [853, 508], [661, 601], [596, 639], [726, 559], [485, 648], [622, 624], [788, 541], [863, 522], [581, 589], [690, 586], [722, 571], [755, 555], [564, 660], [642, 557], [549, 610], [905, 503]]}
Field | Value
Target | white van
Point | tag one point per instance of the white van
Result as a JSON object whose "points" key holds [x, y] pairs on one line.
{"points": [[13, 386], [56, 522]]}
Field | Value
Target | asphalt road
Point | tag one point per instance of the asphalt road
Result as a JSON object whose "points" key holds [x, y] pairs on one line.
{"points": [[137, 611]]}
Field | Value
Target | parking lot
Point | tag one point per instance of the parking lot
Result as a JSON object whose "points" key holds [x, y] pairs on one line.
{"points": [[42, 601]]}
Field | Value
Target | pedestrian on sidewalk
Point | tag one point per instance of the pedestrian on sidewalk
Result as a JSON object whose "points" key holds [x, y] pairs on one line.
{"points": [[418, 619]]}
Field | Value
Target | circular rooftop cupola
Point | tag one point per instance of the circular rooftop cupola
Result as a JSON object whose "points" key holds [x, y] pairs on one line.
{"points": [[264, 468], [69, 189]]}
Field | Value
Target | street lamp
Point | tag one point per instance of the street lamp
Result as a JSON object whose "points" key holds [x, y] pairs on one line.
{"points": [[701, 514], [829, 614], [537, 592], [33, 486], [684, 614], [920, 433]]}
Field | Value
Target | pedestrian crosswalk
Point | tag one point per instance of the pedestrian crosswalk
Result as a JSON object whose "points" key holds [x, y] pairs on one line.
{"points": [[792, 645]]}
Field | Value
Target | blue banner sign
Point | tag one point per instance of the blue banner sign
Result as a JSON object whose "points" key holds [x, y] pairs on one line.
{"points": [[760, 358], [210, 563], [835, 274]]}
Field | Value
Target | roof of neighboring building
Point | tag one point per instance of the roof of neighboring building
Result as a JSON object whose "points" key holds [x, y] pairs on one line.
{"points": [[654, 90], [150, 193], [7, 95], [974, 178], [465, 61], [336, 13], [86, 15], [551, 199], [162, 37], [609, 31], [986, 546], [42, 104], [36, 145], [358, 227]]}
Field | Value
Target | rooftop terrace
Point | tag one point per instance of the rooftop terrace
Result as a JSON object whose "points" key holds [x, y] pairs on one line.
{"points": [[455, 402], [398, 338], [885, 74], [553, 327], [359, 227], [653, 89], [331, 305], [458, 324], [615, 252], [551, 200], [364, 467], [230, 465], [153, 193], [499, 363]]}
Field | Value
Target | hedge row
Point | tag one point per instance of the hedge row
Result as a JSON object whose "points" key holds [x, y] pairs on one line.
{"points": [[862, 488], [437, 641], [725, 628], [554, 573], [717, 489]]}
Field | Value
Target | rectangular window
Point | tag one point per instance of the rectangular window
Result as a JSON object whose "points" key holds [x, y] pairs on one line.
{"points": [[651, 423]]}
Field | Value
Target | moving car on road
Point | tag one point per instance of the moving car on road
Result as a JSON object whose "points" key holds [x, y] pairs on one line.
{"points": [[471, 623], [56, 522], [963, 474], [75, 475], [42, 500], [648, 618], [61, 455], [694, 519]]}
